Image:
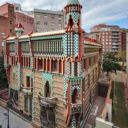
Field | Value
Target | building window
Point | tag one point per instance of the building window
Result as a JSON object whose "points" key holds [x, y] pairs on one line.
{"points": [[74, 96], [28, 81], [10, 22], [54, 65], [26, 103], [75, 68], [10, 30], [88, 80], [45, 17], [47, 89], [38, 22], [52, 17], [40, 64], [93, 77], [83, 85], [45, 23]]}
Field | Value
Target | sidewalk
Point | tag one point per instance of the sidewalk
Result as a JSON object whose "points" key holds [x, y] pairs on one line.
{"points": [[15, 121]]}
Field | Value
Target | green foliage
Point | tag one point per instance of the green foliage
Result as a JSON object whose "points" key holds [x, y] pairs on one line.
{"points": [[119, 111], [121, 55], [3, 77], [110, 63]]}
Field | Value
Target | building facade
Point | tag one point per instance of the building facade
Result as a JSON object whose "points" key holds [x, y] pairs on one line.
{"points": [[111, 37], [53, 75], [46, 20], [26, 21], [9, 17], [6, 21]]}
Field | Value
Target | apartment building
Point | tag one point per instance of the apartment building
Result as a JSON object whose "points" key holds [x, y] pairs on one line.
{"points": [[9, 17], [53, 75], [47, 20], [111, 37]]}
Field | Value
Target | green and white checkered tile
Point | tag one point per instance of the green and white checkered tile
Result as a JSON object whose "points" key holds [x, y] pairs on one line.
{"points": [[76, 44]]}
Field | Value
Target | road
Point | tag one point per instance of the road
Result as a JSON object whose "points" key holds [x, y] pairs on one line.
{"points": [[14, 120]]}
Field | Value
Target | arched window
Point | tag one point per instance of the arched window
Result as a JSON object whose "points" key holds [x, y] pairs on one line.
{"points": [[47, 89], [74, 96]]}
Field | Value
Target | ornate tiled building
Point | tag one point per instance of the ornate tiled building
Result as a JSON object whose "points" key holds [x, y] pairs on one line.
{"points": [[53, 75]]}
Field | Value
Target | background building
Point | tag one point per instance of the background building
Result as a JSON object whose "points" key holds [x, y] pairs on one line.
{"points": [[10, 15], [112, 38], [7, 21], [46, 20]]}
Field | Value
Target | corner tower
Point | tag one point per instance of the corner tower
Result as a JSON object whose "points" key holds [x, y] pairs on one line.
{"points": [[73, 15], [73, 52], [73, 39]]}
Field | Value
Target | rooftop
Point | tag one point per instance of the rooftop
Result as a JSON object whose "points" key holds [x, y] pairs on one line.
{"points": [[48, 12], [73, 2], [38, 34]]}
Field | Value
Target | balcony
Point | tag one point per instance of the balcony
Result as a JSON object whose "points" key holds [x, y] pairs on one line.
{"points": [[49, 102], [76, 108], [27, 90]]}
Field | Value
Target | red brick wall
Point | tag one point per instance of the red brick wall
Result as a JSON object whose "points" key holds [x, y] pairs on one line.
{"points": [[26, 21], [4, 10], [9, 19], [3, 23], [6, 21]]}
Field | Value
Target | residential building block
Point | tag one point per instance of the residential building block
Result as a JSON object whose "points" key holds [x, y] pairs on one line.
{"points": [[53, 75]]}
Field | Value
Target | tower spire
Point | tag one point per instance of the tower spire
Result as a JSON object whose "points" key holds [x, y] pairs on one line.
{"points": [[73, 14], [73, 2]]}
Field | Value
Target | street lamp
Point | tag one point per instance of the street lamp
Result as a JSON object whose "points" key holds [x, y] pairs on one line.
{"points": [[7, 114], [8, 118]]}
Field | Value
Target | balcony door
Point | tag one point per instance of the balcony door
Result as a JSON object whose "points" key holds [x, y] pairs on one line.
{"points": [[27, 81], [74, 96], [47, 89]]}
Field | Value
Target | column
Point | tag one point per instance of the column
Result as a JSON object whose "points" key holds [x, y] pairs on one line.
{"points": [[62, 66], [50, 65], [43, 63], [37, 63], [72, 68], [58, 66], [46, 65]]}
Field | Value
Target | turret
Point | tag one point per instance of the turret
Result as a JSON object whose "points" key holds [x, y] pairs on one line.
{"points": [[73, 14]]}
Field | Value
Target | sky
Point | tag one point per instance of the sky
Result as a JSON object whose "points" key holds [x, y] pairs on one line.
{"points": [[94, 12]]}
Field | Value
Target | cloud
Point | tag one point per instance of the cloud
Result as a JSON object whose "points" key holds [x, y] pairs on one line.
{"points": [[93, 12], [105, 12]]}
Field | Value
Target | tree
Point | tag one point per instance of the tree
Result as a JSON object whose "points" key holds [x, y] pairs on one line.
{"points": [[121, 56], [3, 77], [110, 63]]}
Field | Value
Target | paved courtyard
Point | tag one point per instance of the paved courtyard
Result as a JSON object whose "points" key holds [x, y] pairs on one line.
{"points": [[14, 120], [95, 112]]}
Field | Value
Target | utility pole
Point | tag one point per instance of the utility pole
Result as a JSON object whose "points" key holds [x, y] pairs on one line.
{"points": [[8, 118]]}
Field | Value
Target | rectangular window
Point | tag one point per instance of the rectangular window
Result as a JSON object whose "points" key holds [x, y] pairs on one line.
{"points": [[54, 65], [88, 80], [27, 81]]}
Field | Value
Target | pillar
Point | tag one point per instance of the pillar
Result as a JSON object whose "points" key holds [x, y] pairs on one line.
{"points": [[46, 65], [62, 62], [72, 68], [58, 65], [37, 63], [50, 64]]}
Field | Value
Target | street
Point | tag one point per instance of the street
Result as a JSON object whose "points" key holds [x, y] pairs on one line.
{"points": [[14, 120]]}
